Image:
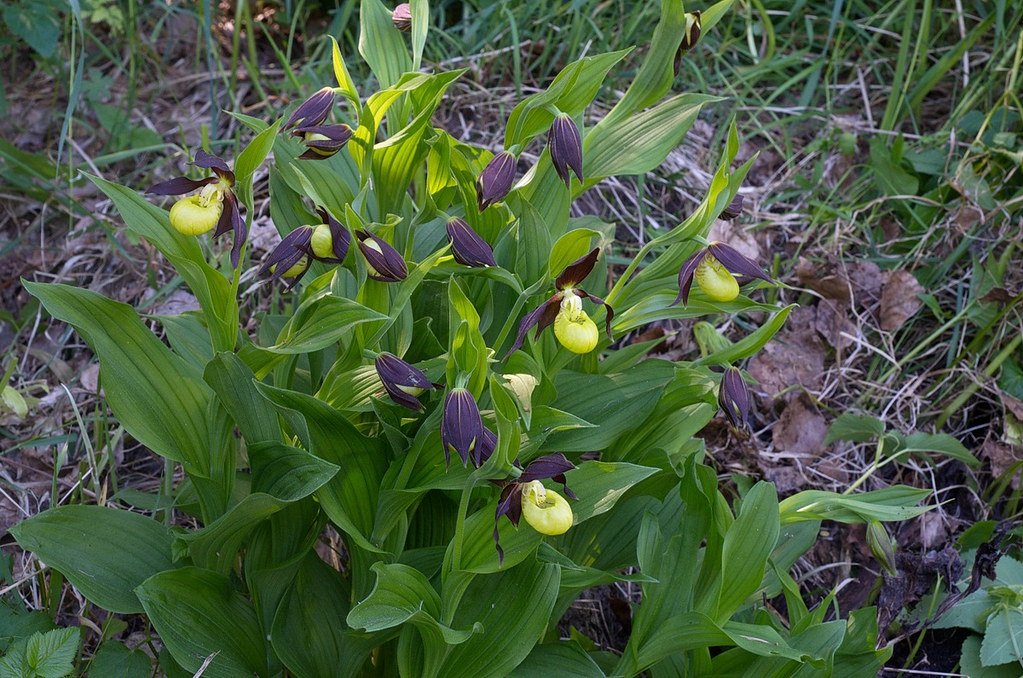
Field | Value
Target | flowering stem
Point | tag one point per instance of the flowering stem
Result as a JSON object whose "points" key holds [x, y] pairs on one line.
{"points": [[463, 509]]}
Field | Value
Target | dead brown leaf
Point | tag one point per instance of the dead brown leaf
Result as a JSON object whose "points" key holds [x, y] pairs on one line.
{"points": [[793, 358], [800, 431], [834, 325], [852, 282], [900, 299]]}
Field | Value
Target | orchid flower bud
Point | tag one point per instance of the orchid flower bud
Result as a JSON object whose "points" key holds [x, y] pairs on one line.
{"points": [[402, 17], [495, 182], [566, 147], [468, 248], [734, 398], [461, 427], [402, 381], [383, 262]]}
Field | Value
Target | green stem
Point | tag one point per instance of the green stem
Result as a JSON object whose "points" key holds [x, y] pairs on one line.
{"points": [[463, 509]]}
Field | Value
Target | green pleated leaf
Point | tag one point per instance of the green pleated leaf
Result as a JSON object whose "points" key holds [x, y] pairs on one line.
{"points": [[210, 287], [381, 44], [513, 608], [287, 473], [617, 403], [198, 614], [554, 659], [48, 654], [350, 497], [641, 142], [104, 552], [310, 634], [320, 322], [232, 380], [751, 343], [747, 545], [156, 395], [255, 152], [216, 546]]}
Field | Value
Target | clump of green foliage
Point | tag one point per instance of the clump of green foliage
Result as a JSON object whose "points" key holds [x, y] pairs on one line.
{"points": [[423, 273]]}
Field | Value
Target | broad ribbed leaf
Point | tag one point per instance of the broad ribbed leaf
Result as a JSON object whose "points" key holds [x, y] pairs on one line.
{"points": [[641, 142], [571, 92], [104, 552], [321, 322], [381, 44], [156, 395], [255, 152], [617, 403], [233, 382], [310, 634], [216, 546], [747, 545], [350, 497], [513, 607], [557, 659], [198, 613], [287, 473]]}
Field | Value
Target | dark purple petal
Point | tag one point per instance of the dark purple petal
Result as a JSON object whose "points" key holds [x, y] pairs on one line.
{"points": [[690, 36], [540, 317], [566, 146], [289, 251], [485, 449], [685, 276], [461, 427], [468, 248], [510, 505], [734, 398], [211, 162], [180, 186], [577, 271], [495, 182], [312, 111], [386, 263], [547, 466], [335, 138], [231, 220], [399, 378], [736, 263]]}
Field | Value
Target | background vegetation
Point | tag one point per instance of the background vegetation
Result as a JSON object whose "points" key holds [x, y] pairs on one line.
{"points": [[887, 192]]}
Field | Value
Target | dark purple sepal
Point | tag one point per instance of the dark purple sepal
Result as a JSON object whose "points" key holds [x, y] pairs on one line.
{"points": [[577, 271]]}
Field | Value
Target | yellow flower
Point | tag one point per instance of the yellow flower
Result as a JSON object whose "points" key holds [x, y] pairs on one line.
{"points": [[197, 214], [573, 328], [546, 510], [716, 281]]}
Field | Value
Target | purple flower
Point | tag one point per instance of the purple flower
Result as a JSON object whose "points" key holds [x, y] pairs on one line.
{"points": [[461, 427], [714, 268], [215, 205], [383, 262], [734, 398]]}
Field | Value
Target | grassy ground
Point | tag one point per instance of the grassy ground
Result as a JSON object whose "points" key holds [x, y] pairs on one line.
{"points": [[887, 195]]}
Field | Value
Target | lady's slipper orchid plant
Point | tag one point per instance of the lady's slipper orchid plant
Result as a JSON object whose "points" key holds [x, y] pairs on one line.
{"points": [[572, 325], [327, 242], [526, 497], [714, 268], [215, 205]]}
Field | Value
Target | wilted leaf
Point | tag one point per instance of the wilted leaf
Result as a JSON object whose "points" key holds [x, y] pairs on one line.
{"points": [[900, 299]]}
